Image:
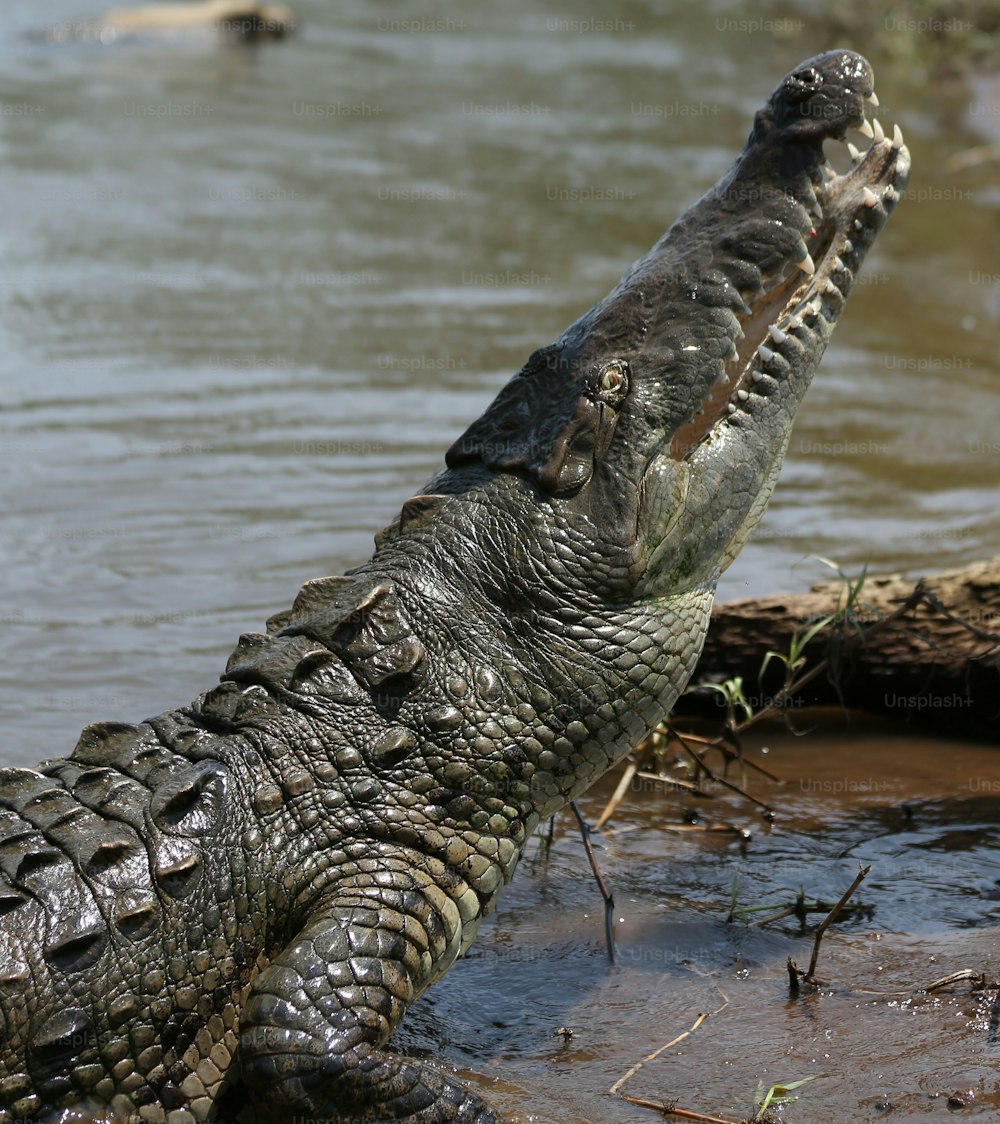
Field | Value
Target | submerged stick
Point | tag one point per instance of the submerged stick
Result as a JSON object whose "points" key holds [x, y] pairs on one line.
{"points": [[609, 901], [831, 917], [795, 974], [671, 1110]]}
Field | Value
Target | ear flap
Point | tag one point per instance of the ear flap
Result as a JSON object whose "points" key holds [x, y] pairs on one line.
{"points": [[547, 423]]}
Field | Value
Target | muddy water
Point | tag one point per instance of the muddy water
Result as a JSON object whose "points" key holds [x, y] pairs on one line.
{"points": [[249, 298], [924, 816]]}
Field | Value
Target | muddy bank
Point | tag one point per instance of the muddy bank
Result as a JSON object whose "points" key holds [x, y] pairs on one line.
{"points": [[923, 812]]}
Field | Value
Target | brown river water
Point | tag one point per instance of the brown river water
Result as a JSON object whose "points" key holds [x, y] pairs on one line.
{"points": [[248, 300]]}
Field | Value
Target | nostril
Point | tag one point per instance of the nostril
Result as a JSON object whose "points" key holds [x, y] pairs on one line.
{"points": [[803, 84]]}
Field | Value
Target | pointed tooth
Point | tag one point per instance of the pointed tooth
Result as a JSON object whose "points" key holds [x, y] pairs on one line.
{"points": [[793, 322], [807, 265], [765, 353], [848, 246], [897, 137], [865, 129], [870, 197], [878, 135], [872, 99], [855, 155], [777, 334], [829, 172], [890, 194], [756, 376]]}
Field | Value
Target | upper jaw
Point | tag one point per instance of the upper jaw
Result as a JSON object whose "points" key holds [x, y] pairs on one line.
{"points": [[789, 308], [707, 481]]}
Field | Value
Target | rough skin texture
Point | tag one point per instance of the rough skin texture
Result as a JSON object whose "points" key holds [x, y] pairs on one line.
{"points": [[226, 910]]}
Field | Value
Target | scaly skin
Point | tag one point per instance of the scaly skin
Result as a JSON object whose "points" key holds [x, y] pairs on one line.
{"points": [[233, 904]]}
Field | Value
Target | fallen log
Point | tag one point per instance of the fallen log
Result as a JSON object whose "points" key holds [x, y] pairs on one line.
{"points": [[241, 19], [925, 652]]}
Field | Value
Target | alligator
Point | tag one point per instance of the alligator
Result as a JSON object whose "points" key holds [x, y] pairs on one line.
{"points": [[224, 912]]}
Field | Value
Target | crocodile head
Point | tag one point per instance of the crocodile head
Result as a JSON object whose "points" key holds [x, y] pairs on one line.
{"points": [[655, 427]]}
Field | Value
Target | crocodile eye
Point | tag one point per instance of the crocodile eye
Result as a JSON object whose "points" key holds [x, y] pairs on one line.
{"points": [[613, 378]]}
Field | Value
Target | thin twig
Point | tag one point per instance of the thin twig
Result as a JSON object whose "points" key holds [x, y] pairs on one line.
{"points": [[609, 901], [713, 743], [831, 916], [673, 1042], [670, 1110], [799, 909], [659, 1050], [788, 911], [721, 780], [673, 782], [618, 795], [684, 829], [978, 981], [956, 977]]}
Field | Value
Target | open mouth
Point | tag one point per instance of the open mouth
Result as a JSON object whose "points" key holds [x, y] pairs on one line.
{"points": [[847, 212]]}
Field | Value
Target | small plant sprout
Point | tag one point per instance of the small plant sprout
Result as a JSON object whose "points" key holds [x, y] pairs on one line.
{"points": [[777, 1095]]}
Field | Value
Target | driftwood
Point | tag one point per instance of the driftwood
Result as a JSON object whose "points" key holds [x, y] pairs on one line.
{"points": [[240, 18], [935, 663]]}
